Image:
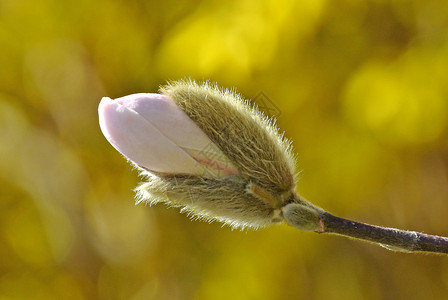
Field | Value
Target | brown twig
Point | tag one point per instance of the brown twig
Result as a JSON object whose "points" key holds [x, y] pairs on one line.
{"points": [[391, 238]]}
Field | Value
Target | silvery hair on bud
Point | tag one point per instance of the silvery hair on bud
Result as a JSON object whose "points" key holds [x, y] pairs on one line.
{"points": [[252, 143]]}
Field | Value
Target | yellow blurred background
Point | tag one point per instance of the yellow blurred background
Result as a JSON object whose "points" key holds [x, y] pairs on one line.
{"points": [[362, 87]]}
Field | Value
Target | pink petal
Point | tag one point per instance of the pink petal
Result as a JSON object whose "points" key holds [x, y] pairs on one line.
{"points": [[154, 133], [141, 142]]}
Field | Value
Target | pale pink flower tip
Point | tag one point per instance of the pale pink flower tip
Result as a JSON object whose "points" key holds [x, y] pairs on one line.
{"points": [[155, 134]]}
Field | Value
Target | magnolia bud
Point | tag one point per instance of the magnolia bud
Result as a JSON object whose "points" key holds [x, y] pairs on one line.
{"points": [[204, 150]]}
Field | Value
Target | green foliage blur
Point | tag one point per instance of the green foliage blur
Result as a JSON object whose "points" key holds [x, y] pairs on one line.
{"points": [[362, 87]]}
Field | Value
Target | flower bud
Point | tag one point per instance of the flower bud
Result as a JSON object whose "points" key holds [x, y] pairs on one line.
{"points": [[204, 150]]}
